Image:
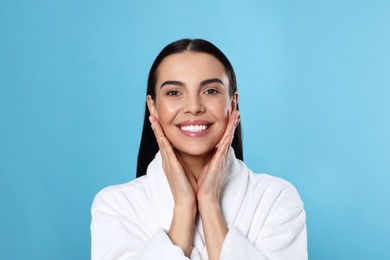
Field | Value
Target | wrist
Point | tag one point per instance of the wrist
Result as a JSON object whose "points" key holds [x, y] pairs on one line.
{"points": [[185, 200], [214, 228], [188, 209], [181, 231], [209, 207]]}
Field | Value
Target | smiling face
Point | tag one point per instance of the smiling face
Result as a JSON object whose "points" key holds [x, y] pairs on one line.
{"points": [[192, 101]]}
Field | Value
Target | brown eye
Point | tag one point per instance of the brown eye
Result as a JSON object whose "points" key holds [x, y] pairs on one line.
{"points": [[173, 93], [211, 91]]}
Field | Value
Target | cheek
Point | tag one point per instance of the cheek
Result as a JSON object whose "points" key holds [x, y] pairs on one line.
{"points": [[166, 112], [220, 108]]}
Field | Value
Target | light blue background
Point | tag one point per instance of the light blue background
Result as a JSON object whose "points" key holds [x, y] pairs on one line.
{"points": [[314, 79]]}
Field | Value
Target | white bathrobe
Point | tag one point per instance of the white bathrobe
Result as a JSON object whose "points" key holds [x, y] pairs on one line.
{"points": [[264, 214]]}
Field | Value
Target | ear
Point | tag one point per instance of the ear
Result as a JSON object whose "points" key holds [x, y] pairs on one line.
{"points": [[234, 101], [151, 106]]}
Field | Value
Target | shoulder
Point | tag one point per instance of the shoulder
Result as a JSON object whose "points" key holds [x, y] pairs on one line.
{"points": [[118, 198], [136, 185], [275, 190], [269, 182]]}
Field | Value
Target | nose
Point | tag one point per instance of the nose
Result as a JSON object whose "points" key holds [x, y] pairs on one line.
{"points": [[194, 104]]}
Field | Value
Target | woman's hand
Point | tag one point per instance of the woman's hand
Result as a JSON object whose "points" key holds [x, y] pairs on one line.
{"points": [[182, 185], [191, 195], [213, 174], [209, 189]]}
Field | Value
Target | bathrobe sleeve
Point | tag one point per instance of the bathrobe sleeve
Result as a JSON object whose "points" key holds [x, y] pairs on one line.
{"points": [[280, 231], [121, 234]]}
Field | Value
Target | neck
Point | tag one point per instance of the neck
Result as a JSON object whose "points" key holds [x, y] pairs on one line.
{"points": [[195, 164]]}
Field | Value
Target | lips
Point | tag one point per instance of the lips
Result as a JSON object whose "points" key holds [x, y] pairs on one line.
{"points": [[194, 128]]}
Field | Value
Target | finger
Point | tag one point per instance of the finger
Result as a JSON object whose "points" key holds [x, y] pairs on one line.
{"points": [[170, 165], [164, 145], [160, 138], [215, 171], [223, 146], [233, 122], [158, 132], [170, 154], [227, 138]]}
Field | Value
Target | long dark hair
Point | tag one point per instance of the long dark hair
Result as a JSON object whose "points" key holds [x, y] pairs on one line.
{"points": [[148, 146]]}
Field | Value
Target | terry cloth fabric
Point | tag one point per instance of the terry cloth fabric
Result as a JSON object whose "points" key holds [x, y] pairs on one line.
{"points": [[264, 214]]}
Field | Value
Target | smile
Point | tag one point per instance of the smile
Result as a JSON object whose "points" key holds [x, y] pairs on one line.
{"points": [[194, 128]]}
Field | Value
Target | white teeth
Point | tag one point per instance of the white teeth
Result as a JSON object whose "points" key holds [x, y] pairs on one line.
{"points": [[194, 128]]}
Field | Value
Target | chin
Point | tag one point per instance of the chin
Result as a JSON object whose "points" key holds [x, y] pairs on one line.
{"points": [[195, 150]]}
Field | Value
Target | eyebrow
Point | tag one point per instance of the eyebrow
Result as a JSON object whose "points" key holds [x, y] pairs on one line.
{"points": [[209, 81], [172, 82], [181, 84]]}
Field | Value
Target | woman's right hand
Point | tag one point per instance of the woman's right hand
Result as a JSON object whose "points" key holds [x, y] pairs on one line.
{"points": [[182, 183], [183, 186]]}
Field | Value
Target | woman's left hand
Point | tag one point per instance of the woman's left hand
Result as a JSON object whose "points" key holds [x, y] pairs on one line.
{"points": [[209, 189], [212, 177]]}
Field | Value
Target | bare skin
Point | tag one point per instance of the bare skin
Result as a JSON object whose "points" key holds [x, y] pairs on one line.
{"points": [[196, 187], [192, 88]]}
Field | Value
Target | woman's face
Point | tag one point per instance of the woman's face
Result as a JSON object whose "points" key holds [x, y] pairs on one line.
{"points": [[192, 101]]}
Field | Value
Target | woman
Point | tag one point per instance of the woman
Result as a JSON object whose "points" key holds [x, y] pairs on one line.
{"points": [[194, 198]]}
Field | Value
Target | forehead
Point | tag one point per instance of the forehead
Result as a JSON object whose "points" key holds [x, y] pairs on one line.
{"points": [[190, 65]]}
